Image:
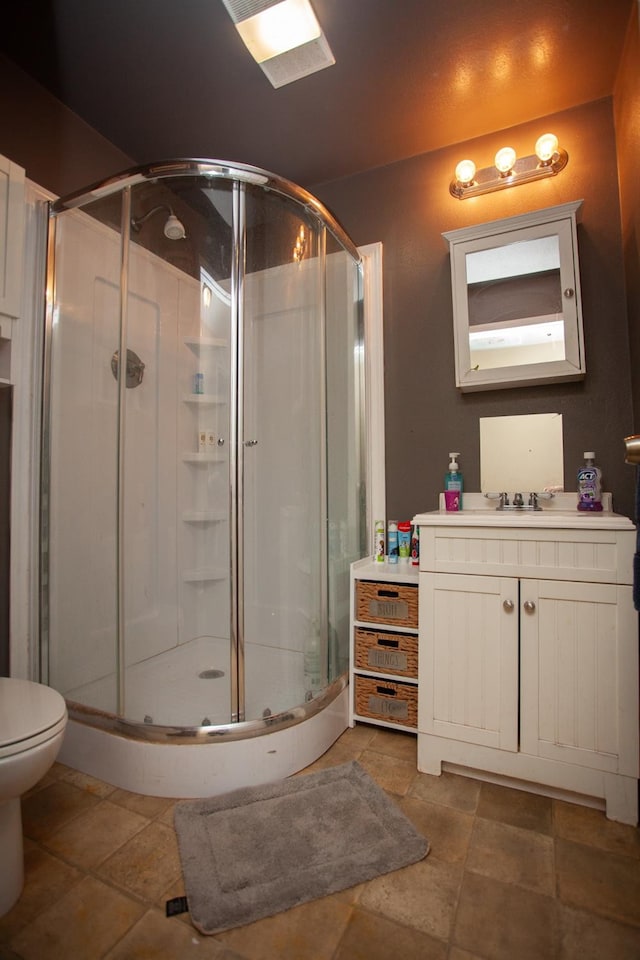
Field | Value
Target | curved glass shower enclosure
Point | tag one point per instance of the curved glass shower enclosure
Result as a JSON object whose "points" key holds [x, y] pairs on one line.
{"points": [[202, 465]]}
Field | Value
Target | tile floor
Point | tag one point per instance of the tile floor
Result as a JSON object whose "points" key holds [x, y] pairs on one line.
{"points": [[510, 876]]}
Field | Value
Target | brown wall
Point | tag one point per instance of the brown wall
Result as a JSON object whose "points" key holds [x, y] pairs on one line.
{"points": [[407, 206], [58, 150], [627, 123]]}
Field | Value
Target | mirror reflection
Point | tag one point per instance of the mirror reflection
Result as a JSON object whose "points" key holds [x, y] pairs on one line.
{"points": [[514, 297], [522, 453]]}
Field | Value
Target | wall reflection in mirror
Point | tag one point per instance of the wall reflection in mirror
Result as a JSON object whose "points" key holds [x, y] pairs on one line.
{"points": [[515, 304]]}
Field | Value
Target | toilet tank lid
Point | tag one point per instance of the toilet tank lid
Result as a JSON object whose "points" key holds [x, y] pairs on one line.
{"points": [[27, 709]]}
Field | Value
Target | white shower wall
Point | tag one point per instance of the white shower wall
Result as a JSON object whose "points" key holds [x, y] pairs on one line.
{"points": [[176, 498]]}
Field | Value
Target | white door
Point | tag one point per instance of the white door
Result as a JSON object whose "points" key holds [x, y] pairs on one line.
{"points": [[577, 674], [469, 659]]}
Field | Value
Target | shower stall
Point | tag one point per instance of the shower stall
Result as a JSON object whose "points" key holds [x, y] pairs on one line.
{"points": [[202, 479]]}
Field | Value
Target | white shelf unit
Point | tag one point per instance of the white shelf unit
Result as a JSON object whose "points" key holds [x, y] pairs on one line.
{"points": [[203, 510], [384, 636]]}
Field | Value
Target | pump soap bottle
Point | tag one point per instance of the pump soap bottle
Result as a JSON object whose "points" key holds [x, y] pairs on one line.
{"points": [[453, 485], [589, 484]]}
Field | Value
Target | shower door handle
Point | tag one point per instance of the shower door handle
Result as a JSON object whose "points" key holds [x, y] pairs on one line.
{"points": [[250, 443]]}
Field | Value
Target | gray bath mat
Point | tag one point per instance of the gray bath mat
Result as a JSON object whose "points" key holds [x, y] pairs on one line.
{"points": [[259, 850]]}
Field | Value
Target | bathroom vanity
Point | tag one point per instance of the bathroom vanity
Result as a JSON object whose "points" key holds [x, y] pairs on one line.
{"points": [[528, 650]]}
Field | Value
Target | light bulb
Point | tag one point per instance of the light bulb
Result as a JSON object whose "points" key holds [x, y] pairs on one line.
{"points": [[546, 146], [504, 160], [465, 172]]}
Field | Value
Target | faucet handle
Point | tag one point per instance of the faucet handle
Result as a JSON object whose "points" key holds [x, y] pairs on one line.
{"points": [[502, 497]]}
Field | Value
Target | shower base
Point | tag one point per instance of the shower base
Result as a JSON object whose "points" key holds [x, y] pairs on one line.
{"points": [[189, 685], [187, 770]]}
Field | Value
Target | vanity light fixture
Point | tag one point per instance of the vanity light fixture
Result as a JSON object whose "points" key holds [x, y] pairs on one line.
{"points": [[509, 170], [300, 247]]}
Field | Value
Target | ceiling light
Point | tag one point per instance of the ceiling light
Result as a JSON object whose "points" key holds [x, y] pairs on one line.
{"points": [[509, 170], [283, 37], [274, 31]]}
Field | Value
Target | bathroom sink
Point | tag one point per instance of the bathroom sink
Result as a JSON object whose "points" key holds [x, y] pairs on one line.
{"points": [[560, 512]]}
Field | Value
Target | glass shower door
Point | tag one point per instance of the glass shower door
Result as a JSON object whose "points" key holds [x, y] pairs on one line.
{"points": [[282, 451], [175, 485]]}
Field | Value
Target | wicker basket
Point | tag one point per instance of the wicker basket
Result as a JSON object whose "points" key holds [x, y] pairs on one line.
{"points": [[395, 653], [386, 700], [387, 603]]}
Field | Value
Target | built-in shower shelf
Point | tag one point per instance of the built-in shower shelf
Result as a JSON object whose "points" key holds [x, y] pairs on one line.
{"points": [[203, 516], [198, 343], [203, 457], [204, 574], [205, 399]]}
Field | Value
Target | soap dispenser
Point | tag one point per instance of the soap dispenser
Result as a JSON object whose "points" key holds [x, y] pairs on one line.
{"points": [[453, 482]]}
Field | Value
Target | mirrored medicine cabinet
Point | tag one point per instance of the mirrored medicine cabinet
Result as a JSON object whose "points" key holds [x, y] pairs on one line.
{"points": [[517, 310]]}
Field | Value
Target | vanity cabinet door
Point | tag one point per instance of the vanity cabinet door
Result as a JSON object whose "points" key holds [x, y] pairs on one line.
{"points": [[468, 651], [578, 672]]}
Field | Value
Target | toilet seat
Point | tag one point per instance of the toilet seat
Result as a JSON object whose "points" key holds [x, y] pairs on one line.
{"points": [[30, 714]]}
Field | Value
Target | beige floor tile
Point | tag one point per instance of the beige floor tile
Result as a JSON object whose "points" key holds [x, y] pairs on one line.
{"points": [[360, 735], [83, 925], [516, 807], [449, 789], [390, 773], [162, 938], [167, 815], [47, 810], [422, 896], [311, 931], [504, 922], [587, 937], [591, 827], [396, 744], [46, 880], [512, 855], [91, 784], [448, 830], [370, 937], [147, 864], [150, 807], [96, 834], [337, 755], [606, 883], [455, 953]]}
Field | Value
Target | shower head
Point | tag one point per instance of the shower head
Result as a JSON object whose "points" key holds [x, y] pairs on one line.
{"points": [[173, 228]]}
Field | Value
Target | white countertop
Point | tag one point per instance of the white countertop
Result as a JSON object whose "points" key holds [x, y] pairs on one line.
{"points": [[559, 513]]}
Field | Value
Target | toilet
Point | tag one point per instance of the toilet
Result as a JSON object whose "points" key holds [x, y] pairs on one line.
{"points": [[33, 718]]}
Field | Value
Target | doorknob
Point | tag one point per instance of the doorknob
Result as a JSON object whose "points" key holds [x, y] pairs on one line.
{"points": [[529, 606]]}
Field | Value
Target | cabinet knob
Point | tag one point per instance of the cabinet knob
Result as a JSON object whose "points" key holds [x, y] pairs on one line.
{"points": [[529, 606], [569, 293], [508, 606]]}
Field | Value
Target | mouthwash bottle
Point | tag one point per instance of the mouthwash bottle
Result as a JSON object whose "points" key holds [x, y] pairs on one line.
{"points": [[589, 484]]}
